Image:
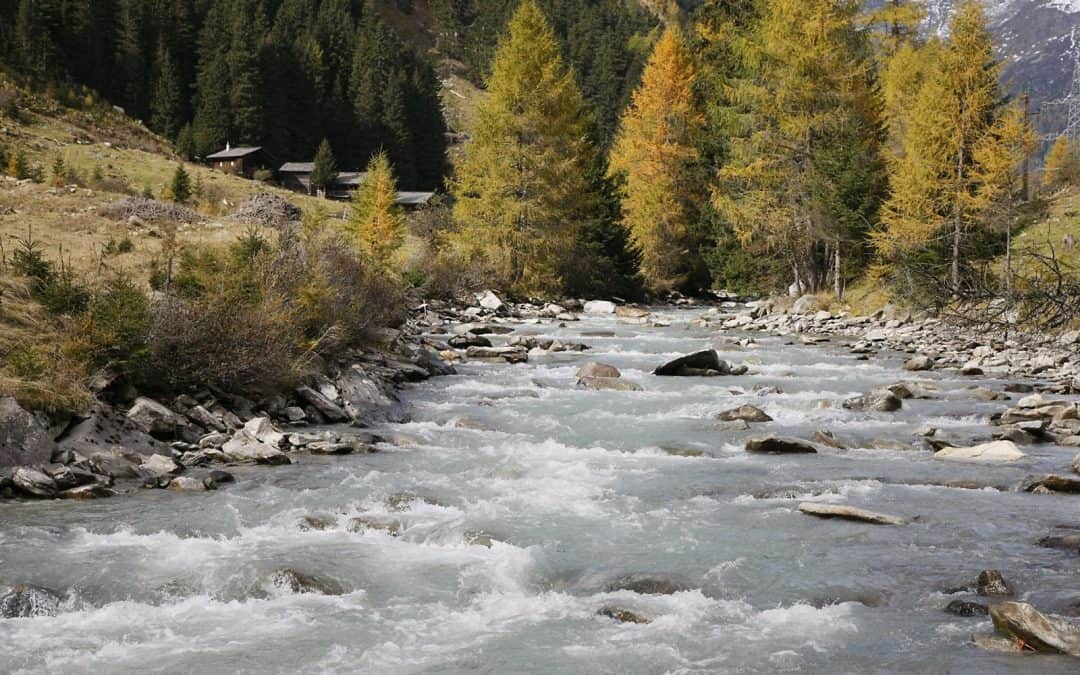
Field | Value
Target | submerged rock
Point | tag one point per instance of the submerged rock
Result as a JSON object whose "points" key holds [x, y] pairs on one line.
{"points": [[747, 413], [622, 615], [24, 601], [780, 445], [367, 523], [1051, 483], [291, 581], [1037, 631], [965, 608], [849, 513], [608, 383], [703, 363], [644, 584], [997, 451], [1067, 542]]}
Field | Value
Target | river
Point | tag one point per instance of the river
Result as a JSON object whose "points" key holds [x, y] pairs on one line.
{"points": [[573, 490]]}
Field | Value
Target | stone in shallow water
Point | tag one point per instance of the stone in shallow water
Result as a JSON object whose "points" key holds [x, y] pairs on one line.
{"points": [[24, 601], [1051, 483], [747, 413], [290, 580], [965, 608], [594, 369], [1042, 633], [608, 384], [779, 445], [367, 523], [879, 400], [991, 582], [1067, 542], [645, 584], [701, 363], [622, 615], [997, 451], [849, 513]]}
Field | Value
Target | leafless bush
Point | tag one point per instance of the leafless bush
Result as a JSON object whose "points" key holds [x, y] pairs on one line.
{"points": [[149, 209]]}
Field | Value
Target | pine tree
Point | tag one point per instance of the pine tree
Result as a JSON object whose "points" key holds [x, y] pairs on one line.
{"points": [[655, 149], [525, 172], [166, 110], [245, 77], [1062, 166], [324, 173], [375, 219]]}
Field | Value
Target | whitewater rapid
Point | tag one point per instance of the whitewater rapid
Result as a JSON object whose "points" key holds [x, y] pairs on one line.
{"points": [[573, 490]]}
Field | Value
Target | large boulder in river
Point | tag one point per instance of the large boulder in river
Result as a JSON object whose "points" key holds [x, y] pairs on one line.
{"points": [[1042, 633], [24, 601], [879, 400], [747, 413], [780, 445], [23, 437], [919, 362], [594, 369], [706, 362], [366, 401], [997, 451], [34, 483]]}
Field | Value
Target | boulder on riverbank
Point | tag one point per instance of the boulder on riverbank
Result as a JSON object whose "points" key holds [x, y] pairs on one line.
{"points": [[698, 364], [849, 513], [24, 439]]}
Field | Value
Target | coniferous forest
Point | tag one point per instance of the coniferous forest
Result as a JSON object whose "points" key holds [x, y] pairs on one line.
{"points": [[741, 144]]}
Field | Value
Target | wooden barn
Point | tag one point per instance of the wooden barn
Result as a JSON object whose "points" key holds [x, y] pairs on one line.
{"points": [[242, 161]]}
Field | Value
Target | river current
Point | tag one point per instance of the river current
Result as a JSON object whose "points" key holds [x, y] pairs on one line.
{"points": [[521, 501]]}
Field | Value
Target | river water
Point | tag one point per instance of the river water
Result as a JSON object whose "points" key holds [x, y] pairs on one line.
{"points": [[575, 490]]}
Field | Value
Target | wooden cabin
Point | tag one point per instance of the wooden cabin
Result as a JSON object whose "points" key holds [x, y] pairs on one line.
{"points": [[241, 161], [296, 176]]}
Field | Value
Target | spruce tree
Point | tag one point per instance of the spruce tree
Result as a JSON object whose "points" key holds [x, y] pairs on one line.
{"points": [[525, 172], [245, 77], [375, 220], [324, 174], [656, 151], [166, 105], [180, 185]]}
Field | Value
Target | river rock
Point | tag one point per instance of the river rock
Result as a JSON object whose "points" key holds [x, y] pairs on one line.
{"points": [[188, 484], [291, 581], [645, 584], [609, 384], [366, 401], [966, 608], [986, 394], [621, 615], [1076, 463], [115, 463], [599, 307], [991, 583], [154, 418], [1038, 631], [780, 445], [1067, 542], [706, 362], [919, 362], [1051, 483], [631, 312], [205, 418], [849, 513], [488, 300], [997, 451], [879, 400], [34, 483], [594, 369], [732, 426], [326, 407], [508, 354], [24, 439], [747, 413], [91, 491], [24, 601], [256, 442], [367, 523], [102, 429], [67, 477], [160, 465], [468, 340]]}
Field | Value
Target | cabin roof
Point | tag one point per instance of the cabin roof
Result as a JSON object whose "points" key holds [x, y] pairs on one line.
{"points": [[414, 198], [234, 153], [297, 167]]}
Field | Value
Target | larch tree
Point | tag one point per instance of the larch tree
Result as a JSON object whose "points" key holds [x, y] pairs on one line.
{"points": [[656, 151], [999, 157], [933, 183], [375, 220], [809, 91], [525, 173], [1062, 163]]}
